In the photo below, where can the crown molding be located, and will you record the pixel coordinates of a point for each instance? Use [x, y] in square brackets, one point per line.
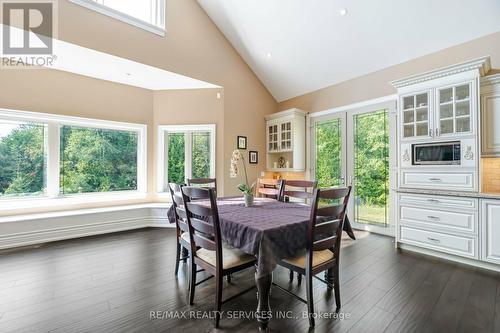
[490, 80]
[289, 112]
[482, 64]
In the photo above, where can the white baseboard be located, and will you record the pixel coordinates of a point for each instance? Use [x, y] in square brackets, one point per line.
[35, 229]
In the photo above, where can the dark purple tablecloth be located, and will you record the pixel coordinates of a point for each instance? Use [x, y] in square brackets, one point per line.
[271, 230]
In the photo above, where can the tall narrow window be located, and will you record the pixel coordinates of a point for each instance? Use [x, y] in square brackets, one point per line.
[22, 159]
[97, 160]
[176, 157]
[185, 152]
[200, 161]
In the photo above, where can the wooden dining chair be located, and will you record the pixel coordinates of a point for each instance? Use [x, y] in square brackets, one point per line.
[299, 189]
[203, 182]
[182, 231]
[206, 246]
[322, 253]
[269, 188]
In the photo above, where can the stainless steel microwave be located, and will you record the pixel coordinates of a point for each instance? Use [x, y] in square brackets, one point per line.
[441, 153]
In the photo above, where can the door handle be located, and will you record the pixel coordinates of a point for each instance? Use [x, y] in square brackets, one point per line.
[342, 180]
[435, 179]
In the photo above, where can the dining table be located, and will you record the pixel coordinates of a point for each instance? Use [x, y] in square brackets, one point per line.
[271, 230]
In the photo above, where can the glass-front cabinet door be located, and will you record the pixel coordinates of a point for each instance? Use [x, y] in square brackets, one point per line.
[286, 136]
[272, 137]
[454, 110]
[416, 119]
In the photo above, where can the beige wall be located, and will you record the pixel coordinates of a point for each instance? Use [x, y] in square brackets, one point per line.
[193, 46]
[191, 107]
[377, 84]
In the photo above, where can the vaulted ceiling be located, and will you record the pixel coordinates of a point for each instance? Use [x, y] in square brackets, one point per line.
[298, 46]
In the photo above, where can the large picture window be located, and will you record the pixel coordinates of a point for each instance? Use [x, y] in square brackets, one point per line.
[97, 160]
[56, 156]
[146, 14]
[185, 152]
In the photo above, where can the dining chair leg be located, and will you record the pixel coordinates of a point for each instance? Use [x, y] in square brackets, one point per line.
[299, 278]
[177, 257]
[291, 275]
[218, 297]
[228, 278]
[336, 286]
[192, 281]
[310, 301]
[185, 254]
[330, 278]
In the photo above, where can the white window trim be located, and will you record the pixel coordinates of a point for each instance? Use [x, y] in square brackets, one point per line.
[53, 197]
[161, 180]
[105, 10]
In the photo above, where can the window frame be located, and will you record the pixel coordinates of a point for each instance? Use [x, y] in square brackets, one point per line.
[126, 18]
[53, 142]
[162, 151]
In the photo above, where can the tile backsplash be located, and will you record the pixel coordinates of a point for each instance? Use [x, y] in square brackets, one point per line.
[490, 168]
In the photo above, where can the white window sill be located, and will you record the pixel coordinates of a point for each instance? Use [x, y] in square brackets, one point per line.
[89, 4]
[75, 212]
[45, 202]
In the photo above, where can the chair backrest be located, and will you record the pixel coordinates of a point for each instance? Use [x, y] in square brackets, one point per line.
[203, 182]
[269, 188]
[178, 203]
[203, 220]
[326, 222]
[301, 189]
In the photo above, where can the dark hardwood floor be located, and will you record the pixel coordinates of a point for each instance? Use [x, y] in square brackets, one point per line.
[111, 283]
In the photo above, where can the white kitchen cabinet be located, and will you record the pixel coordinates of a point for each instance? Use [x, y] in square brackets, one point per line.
[286, 141]
[442, 112]
[415, 115]
[490, 115]
[455, 106]
[490, 225]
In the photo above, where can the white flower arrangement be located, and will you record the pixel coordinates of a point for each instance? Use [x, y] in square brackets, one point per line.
[236, 157]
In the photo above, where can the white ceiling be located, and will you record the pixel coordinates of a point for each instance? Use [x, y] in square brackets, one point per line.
[84, 61]
[298, 46]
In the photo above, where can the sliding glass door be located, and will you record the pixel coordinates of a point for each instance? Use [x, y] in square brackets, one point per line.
[352, 148]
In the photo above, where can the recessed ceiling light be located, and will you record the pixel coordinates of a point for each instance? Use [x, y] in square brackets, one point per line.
[128, 74]
[343, 11]
[268, 55]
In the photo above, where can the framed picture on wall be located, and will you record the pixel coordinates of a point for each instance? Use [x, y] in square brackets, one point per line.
[253, 157]
[242, 142]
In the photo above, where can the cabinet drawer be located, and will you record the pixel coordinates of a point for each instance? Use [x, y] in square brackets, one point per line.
[438, 180]
[438, 201]
[459, 245]
[442, 219]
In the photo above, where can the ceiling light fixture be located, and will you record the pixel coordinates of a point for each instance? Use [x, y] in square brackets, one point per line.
[268, 56]
[343, 11]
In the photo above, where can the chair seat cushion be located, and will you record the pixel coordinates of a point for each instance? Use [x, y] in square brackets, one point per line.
[185, 237]
[319, 257]
[230, 257]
